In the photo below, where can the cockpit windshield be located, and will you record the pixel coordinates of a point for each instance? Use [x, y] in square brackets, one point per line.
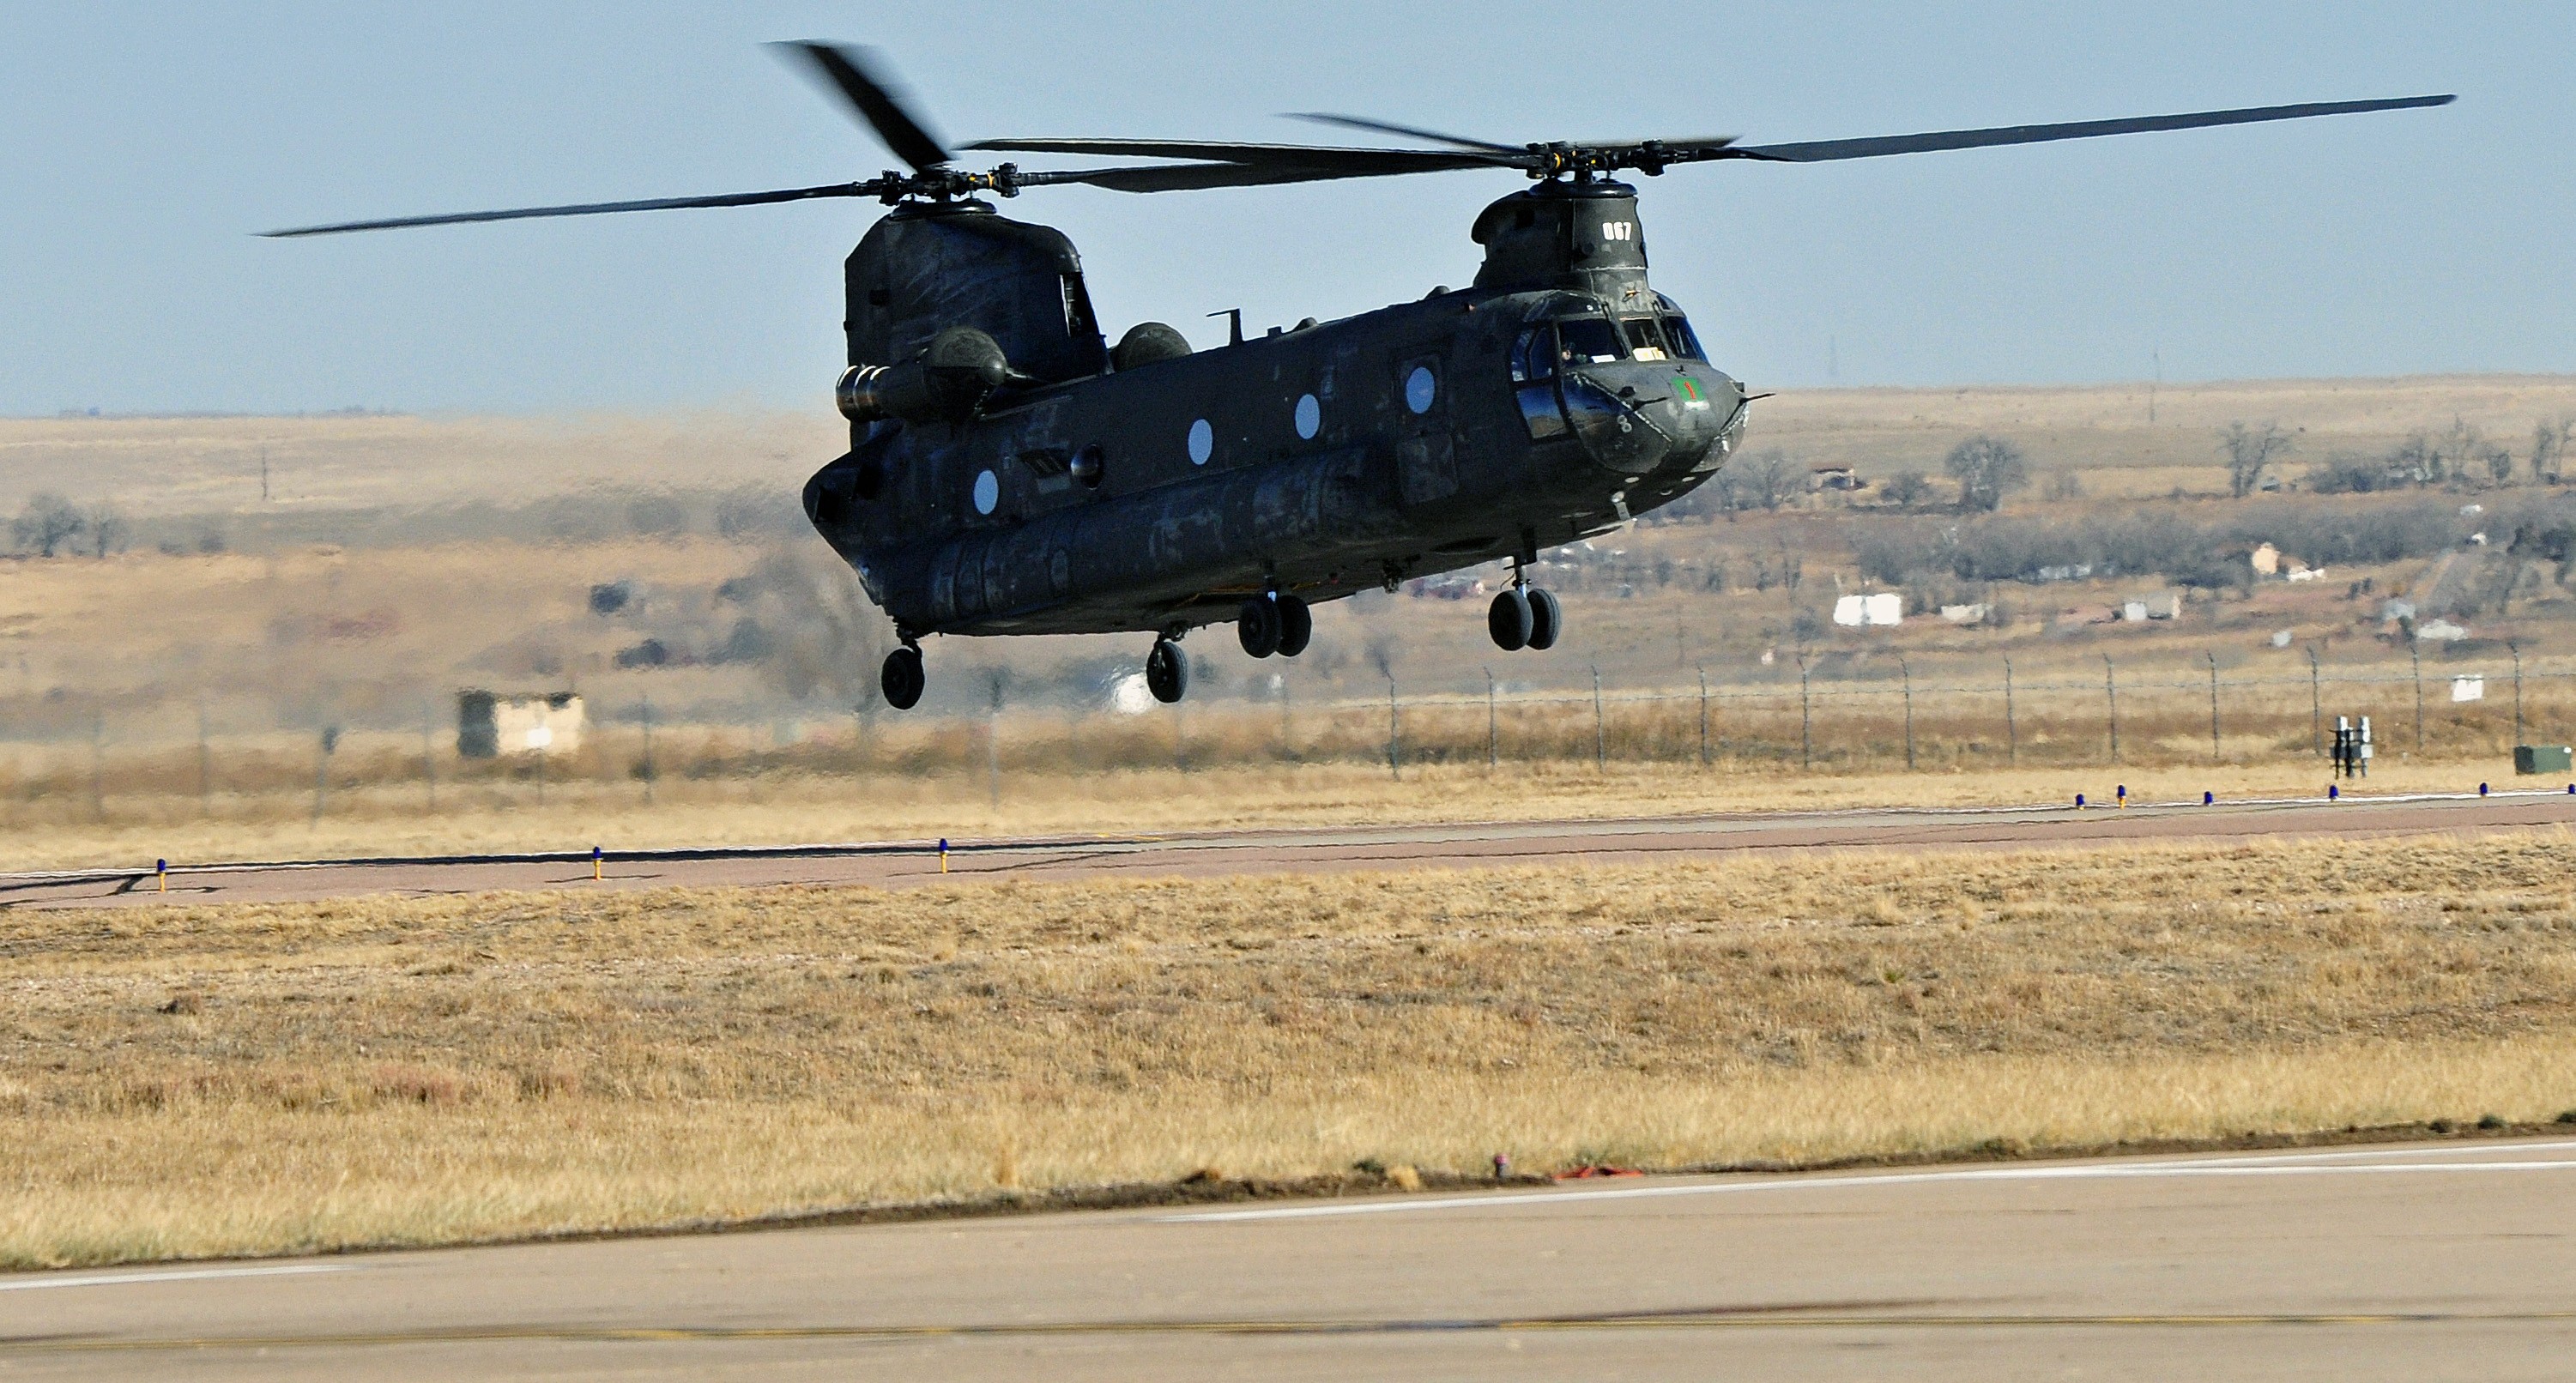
[1645, 339]
[1685, 342]
[1587, 341]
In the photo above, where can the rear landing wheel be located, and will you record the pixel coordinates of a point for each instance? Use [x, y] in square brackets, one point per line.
[1258, 626]
[903, 678]
[1296, 625]
[1167, 673]
[1509, 620]
[1547, 618]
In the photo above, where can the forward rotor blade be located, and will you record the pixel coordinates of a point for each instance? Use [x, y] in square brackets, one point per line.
[1185, 177]
[874, 100]
[1361, 122]
[1359, 162]
[1821, 151]
[791, 194]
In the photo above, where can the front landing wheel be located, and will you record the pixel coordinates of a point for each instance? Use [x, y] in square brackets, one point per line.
[903, 679]
[1167, 673]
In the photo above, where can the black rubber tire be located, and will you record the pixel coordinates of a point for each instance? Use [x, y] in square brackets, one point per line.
[1167, 672]
[1257, 626]
[1296, 625]
[1508, 619]
[1547, 618]
[902, 679]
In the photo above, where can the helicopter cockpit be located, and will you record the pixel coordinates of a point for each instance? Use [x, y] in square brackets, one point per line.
[1575, 373]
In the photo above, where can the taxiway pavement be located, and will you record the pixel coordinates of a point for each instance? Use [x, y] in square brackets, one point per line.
[2449, 1259]
[1205, 854]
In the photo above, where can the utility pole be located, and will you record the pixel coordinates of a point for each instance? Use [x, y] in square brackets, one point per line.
[649, 770]
[1394, 744]
[205, 765]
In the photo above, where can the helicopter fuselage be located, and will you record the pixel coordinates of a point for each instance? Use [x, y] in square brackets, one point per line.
[1554, 401]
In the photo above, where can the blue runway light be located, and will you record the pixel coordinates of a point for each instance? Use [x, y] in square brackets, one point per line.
[2208, 799]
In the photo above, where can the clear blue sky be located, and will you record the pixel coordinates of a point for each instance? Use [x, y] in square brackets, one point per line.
[146, 142]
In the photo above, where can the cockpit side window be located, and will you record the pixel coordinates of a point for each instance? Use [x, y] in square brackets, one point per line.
[1534, 355]
[1677, 329]
[1587, 341]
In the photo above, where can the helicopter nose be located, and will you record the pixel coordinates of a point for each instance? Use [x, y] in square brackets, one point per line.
[1698, 412]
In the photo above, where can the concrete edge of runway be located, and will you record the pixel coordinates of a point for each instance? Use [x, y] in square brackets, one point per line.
[1359, 1192]
[1183, 839]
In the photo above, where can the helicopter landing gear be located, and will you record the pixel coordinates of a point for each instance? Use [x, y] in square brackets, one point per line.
[1524, 616]
[1274, 623]
[903, 679]
[1547, 618]
[1509, 620]
[1167, 673]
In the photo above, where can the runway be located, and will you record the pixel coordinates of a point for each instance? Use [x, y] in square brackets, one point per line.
[891, 864]
[2422, 1261]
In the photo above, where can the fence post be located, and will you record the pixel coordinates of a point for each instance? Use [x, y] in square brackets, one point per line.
[2514, 646]
[1703, 715]
[1394, 745]
[993, 742]
[1600, 734]
[2214, 755]
[1492, 729]
[1908, 674]
[2111, 698]
[205, 764]
[2415, 655]
[2316, 707]
[1806, 720]
[2012, 731]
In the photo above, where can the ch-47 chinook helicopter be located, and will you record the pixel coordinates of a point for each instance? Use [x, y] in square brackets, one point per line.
[1010, 472]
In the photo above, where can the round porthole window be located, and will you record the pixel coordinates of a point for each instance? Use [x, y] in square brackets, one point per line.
[1310, 416]
[1202, 442]
[1420, 388]
[988, 492]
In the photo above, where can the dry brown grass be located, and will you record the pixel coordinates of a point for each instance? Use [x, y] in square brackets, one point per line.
[263, 1079]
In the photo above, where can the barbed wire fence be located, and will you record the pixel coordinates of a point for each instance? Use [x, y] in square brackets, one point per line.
[101, 761]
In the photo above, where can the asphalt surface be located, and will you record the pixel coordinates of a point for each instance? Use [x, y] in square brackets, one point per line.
[2424, 1261]
[902, 863]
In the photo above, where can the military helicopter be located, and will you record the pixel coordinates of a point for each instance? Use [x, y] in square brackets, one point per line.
[1010, 472]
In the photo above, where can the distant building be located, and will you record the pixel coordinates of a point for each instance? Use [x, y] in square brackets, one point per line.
[489, 725]
[2441, 631]
[1965, 614]
[1834, 478]
[1857, 611]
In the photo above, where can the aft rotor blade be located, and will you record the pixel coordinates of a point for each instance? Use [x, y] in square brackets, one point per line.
[1361, 122]
[1821, 151]
[790, 194]
[1359, 162]
[875, 101]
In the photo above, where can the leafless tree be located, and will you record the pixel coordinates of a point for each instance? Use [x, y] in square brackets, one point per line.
[109, 532]
[1905, 489]
[2249, 451]
[2549, 448]
[1987, 468]
[49, 524]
